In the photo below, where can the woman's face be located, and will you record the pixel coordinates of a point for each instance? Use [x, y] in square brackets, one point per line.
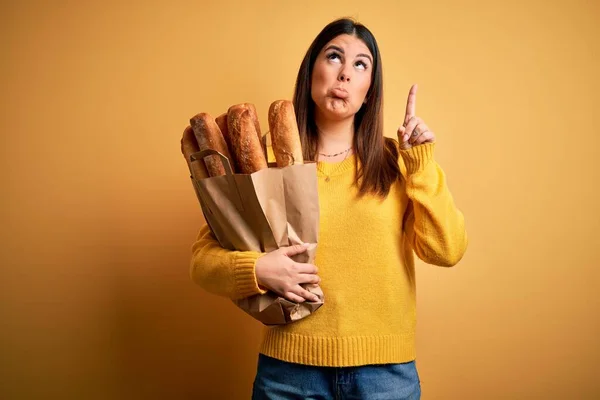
[341, 77]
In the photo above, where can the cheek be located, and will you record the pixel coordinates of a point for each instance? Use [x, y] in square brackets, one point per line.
[318, 83]
[318, 76]
[364, 85]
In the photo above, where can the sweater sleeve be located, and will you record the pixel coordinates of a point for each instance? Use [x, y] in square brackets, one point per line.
[223, 272]
[435, 227]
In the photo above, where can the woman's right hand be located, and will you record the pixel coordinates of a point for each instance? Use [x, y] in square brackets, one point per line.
[278, 272]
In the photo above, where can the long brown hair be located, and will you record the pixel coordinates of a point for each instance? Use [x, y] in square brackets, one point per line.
[378, 155]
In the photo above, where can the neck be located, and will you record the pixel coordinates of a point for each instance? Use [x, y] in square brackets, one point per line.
[334, 136]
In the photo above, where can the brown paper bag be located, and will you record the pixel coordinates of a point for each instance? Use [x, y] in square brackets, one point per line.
[263, 211]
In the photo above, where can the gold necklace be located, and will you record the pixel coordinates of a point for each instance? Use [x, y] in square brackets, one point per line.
[328, 176]
[336, 154]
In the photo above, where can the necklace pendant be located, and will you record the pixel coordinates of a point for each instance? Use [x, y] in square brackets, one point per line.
[327, 179]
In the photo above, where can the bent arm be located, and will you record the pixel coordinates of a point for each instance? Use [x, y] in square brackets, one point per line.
[434, 225]
[223, 272]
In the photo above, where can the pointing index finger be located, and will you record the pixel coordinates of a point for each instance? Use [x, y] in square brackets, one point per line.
[411, 104]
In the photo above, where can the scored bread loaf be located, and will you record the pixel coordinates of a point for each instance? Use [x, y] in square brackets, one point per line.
[189, 146]
[209, 136]
[245, 142]
[221, 121]
[254, 117]
[285, 138]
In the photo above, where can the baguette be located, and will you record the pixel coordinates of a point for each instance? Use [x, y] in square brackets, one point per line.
[221, 121]
[189, 146]
[254, 117]
[209, 136]
[285, 137]
[246, 145]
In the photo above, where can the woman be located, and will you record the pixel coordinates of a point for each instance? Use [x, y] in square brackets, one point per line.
[380, 201]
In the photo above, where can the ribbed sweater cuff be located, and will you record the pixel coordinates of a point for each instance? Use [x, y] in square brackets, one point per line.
[246, 283]
[416, 158]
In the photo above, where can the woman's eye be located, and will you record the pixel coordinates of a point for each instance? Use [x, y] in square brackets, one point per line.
[333, 56]
[361, 65]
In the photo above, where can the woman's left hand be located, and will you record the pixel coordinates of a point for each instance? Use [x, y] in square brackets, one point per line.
[414, 131]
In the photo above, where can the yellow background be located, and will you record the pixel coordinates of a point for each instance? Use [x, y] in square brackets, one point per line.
[98, 214]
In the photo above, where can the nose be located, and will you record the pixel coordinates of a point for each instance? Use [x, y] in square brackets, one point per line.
[344, 75]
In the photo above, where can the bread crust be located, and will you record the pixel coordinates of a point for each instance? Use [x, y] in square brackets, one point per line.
[285, 137]
[209, 136]
[245, 142]
[189, 146]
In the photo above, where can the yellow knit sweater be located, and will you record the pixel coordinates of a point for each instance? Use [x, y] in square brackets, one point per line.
[365, 261]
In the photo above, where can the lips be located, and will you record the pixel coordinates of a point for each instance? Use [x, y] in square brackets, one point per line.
[339, 93]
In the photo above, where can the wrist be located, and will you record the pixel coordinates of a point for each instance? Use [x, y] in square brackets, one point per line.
[258, 269]
[417, 157]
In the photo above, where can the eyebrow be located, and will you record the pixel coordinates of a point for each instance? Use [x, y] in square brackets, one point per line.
[342, 51]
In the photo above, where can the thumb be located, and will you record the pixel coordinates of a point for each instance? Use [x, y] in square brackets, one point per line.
[296, 249]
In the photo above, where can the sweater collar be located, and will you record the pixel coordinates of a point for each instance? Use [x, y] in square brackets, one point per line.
[336, 168]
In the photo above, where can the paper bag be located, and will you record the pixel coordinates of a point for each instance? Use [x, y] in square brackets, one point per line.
[263, 211]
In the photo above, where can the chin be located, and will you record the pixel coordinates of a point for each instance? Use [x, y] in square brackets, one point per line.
[337, 109]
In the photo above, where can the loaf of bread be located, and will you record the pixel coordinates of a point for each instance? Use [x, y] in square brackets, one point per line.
[285, 138]
[245, 142]
[221, 121]
[254, 117]
[189, 146]
[209, 136]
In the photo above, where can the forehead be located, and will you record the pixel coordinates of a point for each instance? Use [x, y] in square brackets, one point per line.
[350, 44]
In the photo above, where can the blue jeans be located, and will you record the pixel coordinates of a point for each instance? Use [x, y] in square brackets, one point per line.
[280, 380]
